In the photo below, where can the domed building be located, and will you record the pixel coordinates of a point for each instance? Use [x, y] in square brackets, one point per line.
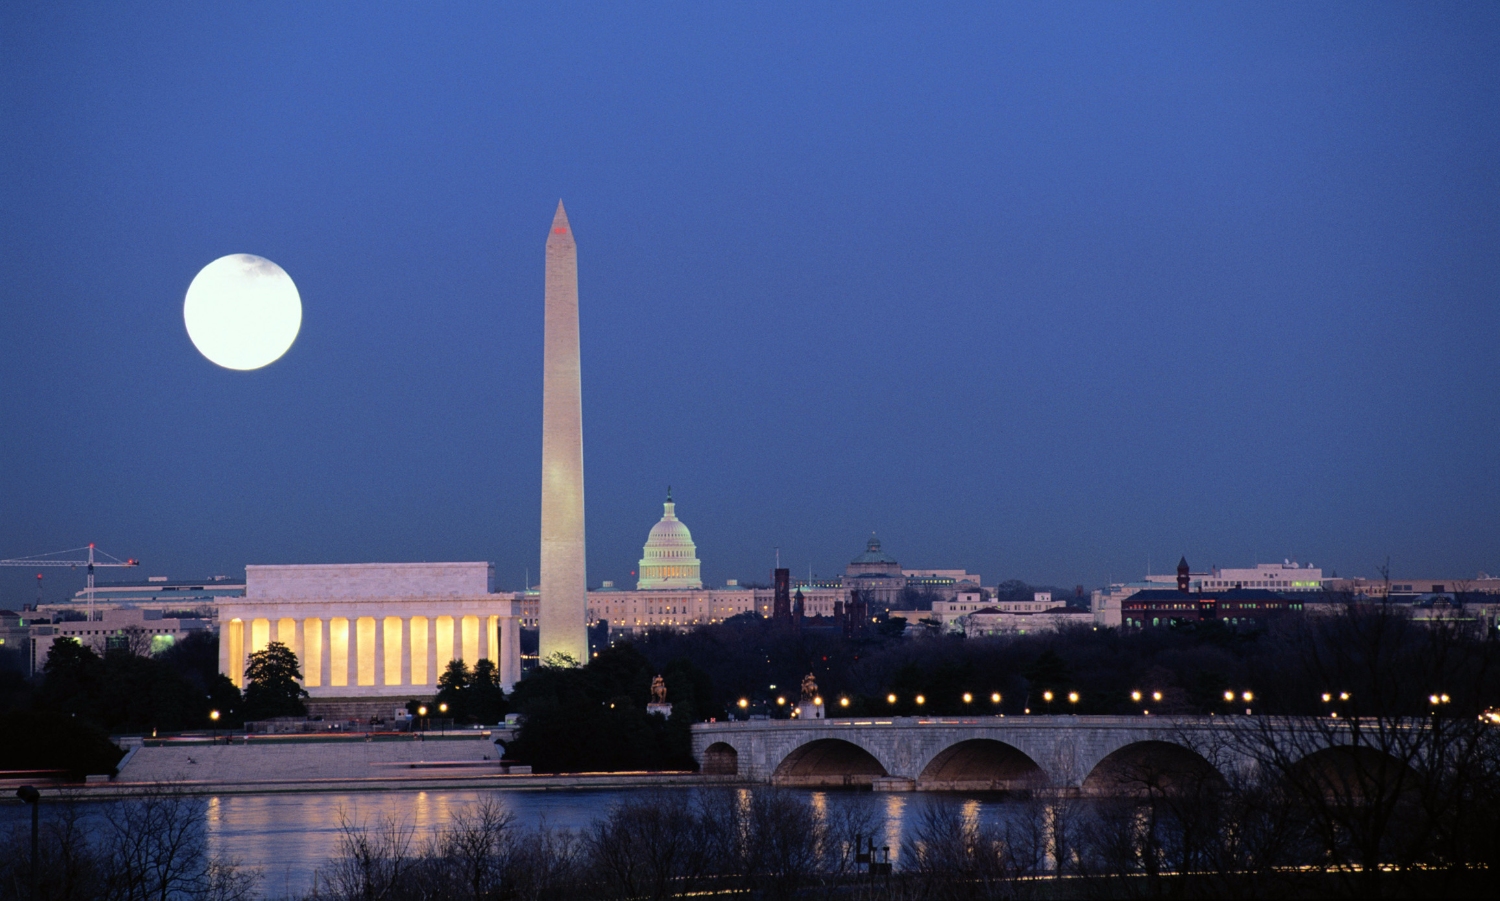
[669, 559]
[874, 562]
[876, 576]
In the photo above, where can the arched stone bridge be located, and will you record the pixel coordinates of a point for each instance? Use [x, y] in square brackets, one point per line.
[1093, 754]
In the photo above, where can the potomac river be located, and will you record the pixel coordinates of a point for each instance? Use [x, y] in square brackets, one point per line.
[288, 836]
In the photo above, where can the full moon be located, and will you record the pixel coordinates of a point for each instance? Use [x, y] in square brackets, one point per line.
[242, 311]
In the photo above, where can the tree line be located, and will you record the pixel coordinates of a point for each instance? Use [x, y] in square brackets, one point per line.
[1273, 833]
[1367, 660]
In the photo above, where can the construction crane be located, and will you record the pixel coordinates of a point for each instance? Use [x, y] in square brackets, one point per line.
[55, 559]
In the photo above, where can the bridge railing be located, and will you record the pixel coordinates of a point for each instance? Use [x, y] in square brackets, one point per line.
[1164, 722]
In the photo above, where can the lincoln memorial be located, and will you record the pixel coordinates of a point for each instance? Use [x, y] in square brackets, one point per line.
[372, 630]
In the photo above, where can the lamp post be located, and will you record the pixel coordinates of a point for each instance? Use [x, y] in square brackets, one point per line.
[443, 721]
[1328, 698]
[213, 716]
[422, 717]
[34, 798]
[1047, 697]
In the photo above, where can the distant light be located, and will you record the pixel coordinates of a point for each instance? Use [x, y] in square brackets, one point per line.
[781, 701]
[1072, 697]
[744, 702]
[1156, 696]
[843, 702]
[968, 698]
[1248, 696]
[818, 701]
[921, 699]
[213, 715]
[890, 699]
[1135, 696]
[995, 698]
[1047, 696]
[1229, 696]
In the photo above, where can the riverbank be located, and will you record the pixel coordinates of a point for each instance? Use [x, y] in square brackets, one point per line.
[348, 763]
[487, 781]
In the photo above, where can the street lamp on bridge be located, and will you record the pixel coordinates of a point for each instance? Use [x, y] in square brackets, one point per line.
[1342, 699]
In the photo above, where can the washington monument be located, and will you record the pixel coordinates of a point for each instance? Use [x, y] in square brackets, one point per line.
[562, 620]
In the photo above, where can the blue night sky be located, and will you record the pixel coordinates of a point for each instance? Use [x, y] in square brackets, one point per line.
[1040, 290]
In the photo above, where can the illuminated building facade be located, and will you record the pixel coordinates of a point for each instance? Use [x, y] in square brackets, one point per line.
[372, 630]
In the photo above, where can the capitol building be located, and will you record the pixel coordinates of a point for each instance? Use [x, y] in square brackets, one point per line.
[669, 590]
[669, 559]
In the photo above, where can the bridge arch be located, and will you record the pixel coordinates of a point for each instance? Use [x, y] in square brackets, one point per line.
[981, 764]
[828, 762]
[1151, 767]
[721, 759]
[1344, 774]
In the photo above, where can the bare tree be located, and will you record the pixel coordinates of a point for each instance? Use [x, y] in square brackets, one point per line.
[1397, 781]
[155, 849]
[373, 862]
[649, 846]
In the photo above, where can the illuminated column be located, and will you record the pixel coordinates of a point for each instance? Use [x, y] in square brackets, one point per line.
[286, 632]
[338, 651]
[510, 652]
[225, 628]
[366, 632]
[351, 654]
[377, 676]
[444, 644]
[237, 652]
[325, 665]
[393, 655]
[432, 662]
[488, 640]
[471, 640]
[260, 635]
[311, 641]
[406, 650]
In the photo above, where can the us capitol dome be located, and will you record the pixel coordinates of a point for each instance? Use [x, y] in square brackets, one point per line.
[669, 559]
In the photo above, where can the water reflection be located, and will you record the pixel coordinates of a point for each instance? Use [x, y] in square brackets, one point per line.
[895, 823]
[289, 836]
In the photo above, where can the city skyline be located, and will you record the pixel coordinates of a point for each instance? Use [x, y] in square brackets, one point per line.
[1039, 293]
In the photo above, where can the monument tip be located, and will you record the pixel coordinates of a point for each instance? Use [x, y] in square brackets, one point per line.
[560, 220]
